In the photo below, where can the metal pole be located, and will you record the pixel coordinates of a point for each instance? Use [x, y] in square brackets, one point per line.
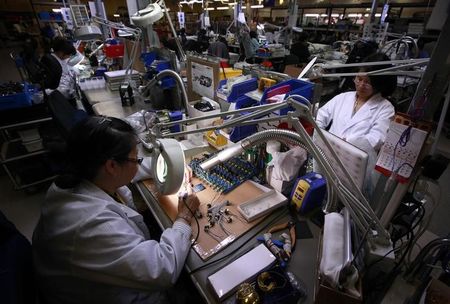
[441, 121]
[436, 74]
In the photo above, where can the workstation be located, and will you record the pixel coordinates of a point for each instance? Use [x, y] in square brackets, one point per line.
[233, 151]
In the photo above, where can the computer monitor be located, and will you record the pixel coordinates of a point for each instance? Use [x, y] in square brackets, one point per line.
[354, 159]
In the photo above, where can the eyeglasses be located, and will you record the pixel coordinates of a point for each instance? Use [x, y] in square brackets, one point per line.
[138, 160]
[364, 82]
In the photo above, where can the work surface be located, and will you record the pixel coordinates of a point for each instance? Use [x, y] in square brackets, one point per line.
[303, 261]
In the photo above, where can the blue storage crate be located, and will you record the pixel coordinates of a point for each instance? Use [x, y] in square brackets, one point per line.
[298, 87]
[240, 89]
[240, 132]
[148, 58]
[18, 100]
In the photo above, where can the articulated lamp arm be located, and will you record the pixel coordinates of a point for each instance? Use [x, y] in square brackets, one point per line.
[352, 198]
[136, 32]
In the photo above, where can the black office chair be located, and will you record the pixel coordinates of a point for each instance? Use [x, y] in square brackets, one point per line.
[64, 114]
[16, 266]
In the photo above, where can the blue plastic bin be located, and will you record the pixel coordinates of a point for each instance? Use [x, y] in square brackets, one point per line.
[18, 100]
[298, 87]
[240, 89]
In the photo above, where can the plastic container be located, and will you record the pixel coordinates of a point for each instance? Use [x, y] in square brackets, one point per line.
[18, 100]
[193, 112]
[296, 87]
[239, 89]
[114, 50]
[229, 73]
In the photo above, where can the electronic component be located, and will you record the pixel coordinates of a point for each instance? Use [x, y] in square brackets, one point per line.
[198, 188]
[308, 192]
[225, 176]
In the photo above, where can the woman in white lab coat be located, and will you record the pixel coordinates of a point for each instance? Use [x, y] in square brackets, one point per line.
[90, 245]
[362, 117]
[364, 113]
[62, 51]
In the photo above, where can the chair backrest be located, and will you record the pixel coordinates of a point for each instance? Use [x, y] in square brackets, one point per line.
[64, 114]
[50, 71]
[16, 265]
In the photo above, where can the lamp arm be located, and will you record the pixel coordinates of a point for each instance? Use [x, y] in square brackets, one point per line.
[406, 73]
[365, 213]
[177, 78]
[136, 32]
[374, 63]
[174, 32]
[116, 25]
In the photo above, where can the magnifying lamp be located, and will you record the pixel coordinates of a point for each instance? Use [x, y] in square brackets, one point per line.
[87, 32]
[149, 15]
[75, 59]
[167, 164]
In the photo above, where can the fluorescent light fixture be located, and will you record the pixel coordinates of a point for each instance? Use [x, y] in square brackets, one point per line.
[257, 6]
[367, 15]
[231, 4]
[222, 8]
[334, 15]
[56, 10]
[355, 15]
[116, 15]
[210, 8]
[367, 9]
[311, 15]
[323, 15]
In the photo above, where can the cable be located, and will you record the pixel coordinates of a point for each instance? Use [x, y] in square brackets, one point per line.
[196, 221]
[238, 248]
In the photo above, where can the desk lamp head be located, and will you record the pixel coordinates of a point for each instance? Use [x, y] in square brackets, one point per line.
[147, 16]
[167, 164]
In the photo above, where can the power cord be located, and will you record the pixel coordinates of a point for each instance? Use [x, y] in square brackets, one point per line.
[196, 220]
[238, 248]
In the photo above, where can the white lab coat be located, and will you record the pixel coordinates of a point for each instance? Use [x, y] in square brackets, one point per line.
[67, 80]
[90, 249]
[370, 122]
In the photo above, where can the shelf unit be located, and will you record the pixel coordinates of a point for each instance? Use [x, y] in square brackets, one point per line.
[25, 168]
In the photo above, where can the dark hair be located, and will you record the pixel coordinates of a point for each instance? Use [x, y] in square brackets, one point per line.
[91, 143]
[253, 34]
[383, 84]
[60, 44]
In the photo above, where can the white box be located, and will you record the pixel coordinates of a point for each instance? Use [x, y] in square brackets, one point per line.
[193, 112]
[225, 281]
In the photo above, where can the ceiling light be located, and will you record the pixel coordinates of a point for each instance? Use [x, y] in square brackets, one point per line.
[323, 15]
[210, 8]
[222, 8]
[257, 6]
[56, 10]
[311, 15]
[334, 15]
[116, 15]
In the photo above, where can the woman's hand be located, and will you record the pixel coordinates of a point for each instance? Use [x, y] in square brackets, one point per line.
[187, 205]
